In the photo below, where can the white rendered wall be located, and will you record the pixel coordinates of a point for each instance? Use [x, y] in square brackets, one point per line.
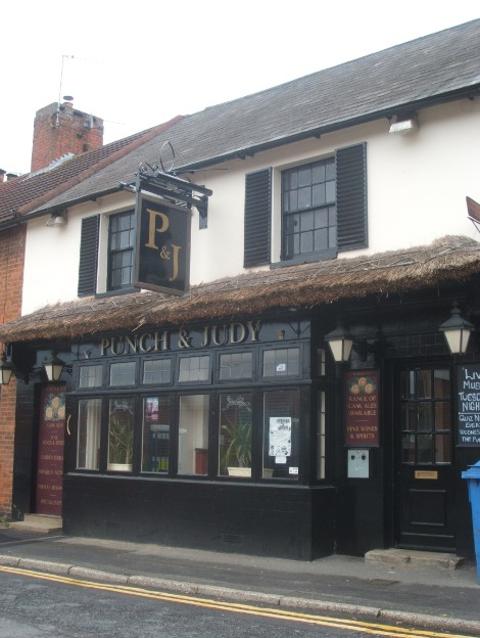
[416, 192]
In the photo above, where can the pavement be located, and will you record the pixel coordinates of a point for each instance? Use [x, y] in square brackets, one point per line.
[398, 588]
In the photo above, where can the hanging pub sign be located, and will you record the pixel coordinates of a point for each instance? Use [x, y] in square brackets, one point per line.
[162, 260]
[361, 408]
[468, 406]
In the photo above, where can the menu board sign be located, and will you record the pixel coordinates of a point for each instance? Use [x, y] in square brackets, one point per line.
[361, 408]
[468, 406]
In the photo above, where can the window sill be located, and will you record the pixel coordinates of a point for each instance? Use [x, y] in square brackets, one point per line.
[306, 259]
[118, 291]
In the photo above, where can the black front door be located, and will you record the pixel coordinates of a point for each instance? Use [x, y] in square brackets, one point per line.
[424, 458]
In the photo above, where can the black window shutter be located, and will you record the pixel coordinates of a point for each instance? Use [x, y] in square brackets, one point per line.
[87, 274]
[352, 217]
[258, 211]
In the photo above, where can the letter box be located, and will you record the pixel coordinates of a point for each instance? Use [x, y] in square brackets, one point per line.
[472, 475]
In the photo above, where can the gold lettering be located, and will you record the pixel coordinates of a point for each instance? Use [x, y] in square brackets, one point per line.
[132, 343]
[104, 344]
[176, 252]
[184, 339]
[237, 333]
[142, 342]
[152, 226]
[254, 329]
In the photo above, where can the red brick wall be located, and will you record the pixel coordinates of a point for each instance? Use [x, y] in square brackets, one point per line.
[12, 250]
[72, 132]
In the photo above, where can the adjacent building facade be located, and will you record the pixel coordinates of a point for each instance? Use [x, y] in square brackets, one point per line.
[299, 398]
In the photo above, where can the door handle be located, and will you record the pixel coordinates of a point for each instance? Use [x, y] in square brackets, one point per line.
[67, 426]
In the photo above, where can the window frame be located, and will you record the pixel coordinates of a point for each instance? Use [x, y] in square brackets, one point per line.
[315, 255]
[112, 252]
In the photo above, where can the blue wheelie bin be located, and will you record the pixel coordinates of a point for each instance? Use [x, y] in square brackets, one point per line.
[472, 475]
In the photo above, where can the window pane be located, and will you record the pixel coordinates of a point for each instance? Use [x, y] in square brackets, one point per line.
[120, 435]
[236, 366]
[321, 239]
[306, 242]
[235, 435]
[443, 448]
[156, 371]
[90, 377]
[318, 195]
[318, 173]
[425, 422]
[157, 418]
[122, 374]
[193, 435]
[88, 439]
[424, 448]
[424, 384]
[194, 369]
[441, 384]
[330, 191]
[408, 448]
[442, 416]
[305, 197]
[281, 434]
[306, 221]
[281, 363]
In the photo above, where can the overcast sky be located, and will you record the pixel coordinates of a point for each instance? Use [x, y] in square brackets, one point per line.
[136, 64]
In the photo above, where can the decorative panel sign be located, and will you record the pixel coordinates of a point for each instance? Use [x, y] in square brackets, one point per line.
[162, 260]
[50, 451]
[361, 408]
[468, 406]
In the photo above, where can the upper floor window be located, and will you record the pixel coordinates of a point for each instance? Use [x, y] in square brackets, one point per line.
[121, 237]
[308, 210]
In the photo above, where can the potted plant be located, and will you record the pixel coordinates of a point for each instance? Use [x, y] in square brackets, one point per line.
[120, 441]
[237, 456]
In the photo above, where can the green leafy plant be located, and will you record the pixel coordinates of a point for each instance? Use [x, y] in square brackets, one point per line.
[120, 446]
[238, 440]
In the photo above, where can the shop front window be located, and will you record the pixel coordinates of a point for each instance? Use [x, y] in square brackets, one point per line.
[120, 435]
[88, 434]
[235, 435]
[193, 434]
[281, 432]
[157, 419]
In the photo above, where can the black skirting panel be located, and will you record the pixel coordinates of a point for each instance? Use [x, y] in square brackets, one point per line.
[291, 522]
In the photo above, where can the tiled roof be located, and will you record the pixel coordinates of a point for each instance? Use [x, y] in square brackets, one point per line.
[427, 70]
[28, 191]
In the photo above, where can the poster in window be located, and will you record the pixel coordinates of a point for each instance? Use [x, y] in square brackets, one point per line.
[280, 437]
[468, 406]
[361, 408]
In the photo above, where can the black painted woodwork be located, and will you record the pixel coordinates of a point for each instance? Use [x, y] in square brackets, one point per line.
[257, 221]
[87, 273]
[352, 217]
[292, 522]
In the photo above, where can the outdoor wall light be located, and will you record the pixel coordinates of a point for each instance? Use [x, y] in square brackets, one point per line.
[457, 331]
[6, 370]
[53, 367]
[402, 126]
[340, 344]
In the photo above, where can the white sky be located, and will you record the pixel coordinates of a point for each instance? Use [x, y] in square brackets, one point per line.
[137, 64]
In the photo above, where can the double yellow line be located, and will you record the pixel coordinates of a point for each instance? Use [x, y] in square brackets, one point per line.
[375, 629]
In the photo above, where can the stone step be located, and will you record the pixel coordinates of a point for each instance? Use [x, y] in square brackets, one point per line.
[413, 558]
[39, 523]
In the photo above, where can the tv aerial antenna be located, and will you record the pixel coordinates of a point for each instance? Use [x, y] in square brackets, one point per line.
[60, 87]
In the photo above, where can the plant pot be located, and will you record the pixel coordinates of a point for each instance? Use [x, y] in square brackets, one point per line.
[119, 467]
[244, 472]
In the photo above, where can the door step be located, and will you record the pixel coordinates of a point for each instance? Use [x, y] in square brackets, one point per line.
[39, 523]
[412, 558]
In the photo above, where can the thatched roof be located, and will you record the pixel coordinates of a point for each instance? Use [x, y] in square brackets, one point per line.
[446, 260]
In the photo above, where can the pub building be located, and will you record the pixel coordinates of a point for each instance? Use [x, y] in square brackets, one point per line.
[293, 412]
[255, 328]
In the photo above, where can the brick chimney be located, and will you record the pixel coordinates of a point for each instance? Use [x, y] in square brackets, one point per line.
[58, 130]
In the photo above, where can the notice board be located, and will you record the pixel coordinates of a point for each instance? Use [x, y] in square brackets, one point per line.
[362, 408]
[468, 405]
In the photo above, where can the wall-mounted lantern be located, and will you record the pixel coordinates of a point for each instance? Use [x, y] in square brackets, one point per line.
[457, 331]
[340, 344]
[6, 370]
[53, 367]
